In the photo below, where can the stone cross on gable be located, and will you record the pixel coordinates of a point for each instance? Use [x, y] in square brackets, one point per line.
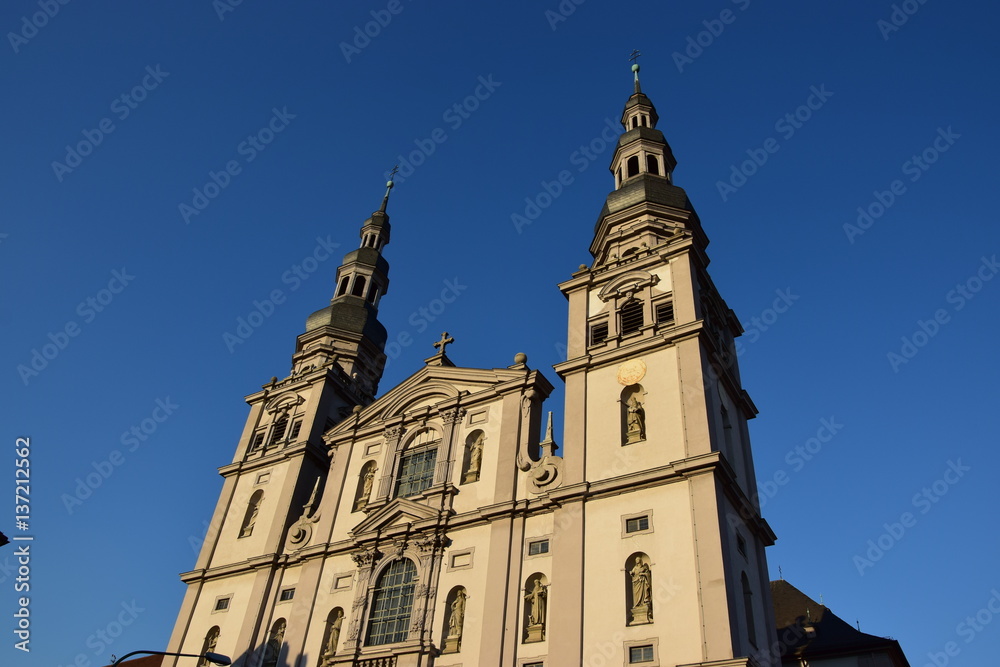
[444, 342]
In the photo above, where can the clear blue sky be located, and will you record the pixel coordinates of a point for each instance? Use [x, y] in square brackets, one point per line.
[210, 78]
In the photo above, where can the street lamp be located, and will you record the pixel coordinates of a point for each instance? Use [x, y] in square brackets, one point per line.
[215, 658]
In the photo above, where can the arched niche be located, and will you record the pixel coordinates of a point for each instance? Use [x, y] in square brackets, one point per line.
[536, 604]
[472, 459]
[633, 414]
[638, 589]
[366, 483]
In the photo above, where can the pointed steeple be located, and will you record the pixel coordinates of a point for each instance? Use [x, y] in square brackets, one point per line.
[348, 331]
[645, 207]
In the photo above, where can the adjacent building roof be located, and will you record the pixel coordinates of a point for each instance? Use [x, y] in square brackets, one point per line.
[808, 629]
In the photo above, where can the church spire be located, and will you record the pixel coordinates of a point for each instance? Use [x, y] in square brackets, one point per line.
[348, 330]
[635, 68]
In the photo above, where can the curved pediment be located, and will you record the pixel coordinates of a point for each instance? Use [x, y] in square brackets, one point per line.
[424, 395]
[626, 284]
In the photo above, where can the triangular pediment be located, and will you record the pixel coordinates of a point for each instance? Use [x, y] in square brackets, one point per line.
[428, 387]
[398, 512]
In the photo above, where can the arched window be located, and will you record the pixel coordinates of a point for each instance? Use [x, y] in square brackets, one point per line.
[619, 182]
[331, 637]
[253, 509]
[633, 414]
[344, 282]
[631, 316]
[359, 286]
[748, 609]
[275, 642]
[211, 641]
[278, 431]
[652, 165]
[392, 602]
[366, 481]
[372, 293]
[536, 603]
[416, 465]
[632, 166]
[638, 590]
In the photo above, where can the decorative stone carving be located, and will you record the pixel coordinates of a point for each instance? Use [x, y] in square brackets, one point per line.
[274, 642]
[453, 416]
[631, 372]
[475, 459]
[334, 637]
[432, 543]
[367, 482]
[636, 426]
[456, 622]
[393, 433]
[366, 557]
[537, 599]
[642, 599]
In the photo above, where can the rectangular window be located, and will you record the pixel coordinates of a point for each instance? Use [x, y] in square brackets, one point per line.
[665, 312]
[286, 595]
[637, 654]
[632, 317]
[533, 664]
[598, 333]
[538, 547]
[222, 604]
[637, 524]
[416, 472]
[296, 427]
[741, 545]
[258, 440]
[279, 430]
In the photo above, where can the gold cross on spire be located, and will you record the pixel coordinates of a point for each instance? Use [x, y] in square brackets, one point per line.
[444, 342]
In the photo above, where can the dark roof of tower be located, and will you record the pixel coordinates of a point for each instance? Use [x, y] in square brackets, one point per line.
[806, 628]
[351, 314]
[644, 188]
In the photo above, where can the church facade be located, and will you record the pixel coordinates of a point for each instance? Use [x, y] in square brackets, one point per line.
[439, 523]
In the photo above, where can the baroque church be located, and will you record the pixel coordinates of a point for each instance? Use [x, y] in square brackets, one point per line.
[440, 524]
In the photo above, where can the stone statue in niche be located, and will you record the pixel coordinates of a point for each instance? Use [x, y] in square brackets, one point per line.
[274, 642]
[456, 621]
[536, 599]
[251, 519]
[366, 488]
[642, 598]
[211, 641]
[636, 420]
[457, 618]
[475, 459]
[334, 638]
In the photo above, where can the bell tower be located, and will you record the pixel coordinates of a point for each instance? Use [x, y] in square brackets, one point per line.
[281, 461]
[656, 430]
